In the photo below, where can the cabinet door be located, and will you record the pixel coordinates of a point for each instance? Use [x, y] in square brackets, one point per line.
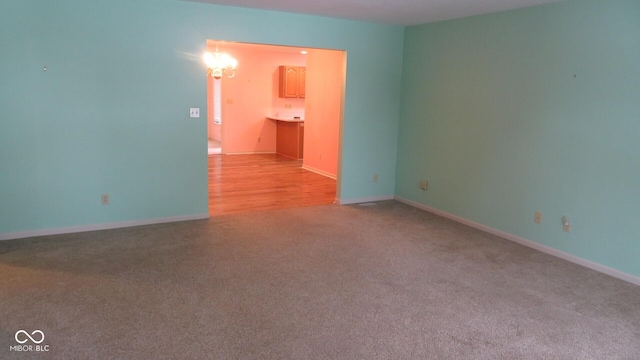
[288, 81]
[302, 74]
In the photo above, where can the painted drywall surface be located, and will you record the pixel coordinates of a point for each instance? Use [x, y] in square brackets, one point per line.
[110, 114]
[251, 96]
[209, 113]
[325, 79]
[530, 110]
[214, 131]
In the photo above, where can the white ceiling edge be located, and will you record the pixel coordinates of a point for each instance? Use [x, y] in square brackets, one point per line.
[392, 12]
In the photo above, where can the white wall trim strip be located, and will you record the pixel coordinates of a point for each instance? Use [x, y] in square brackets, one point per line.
[318, 171]
[249, 153]
[528, 243]
[83, 228]
[364, 200]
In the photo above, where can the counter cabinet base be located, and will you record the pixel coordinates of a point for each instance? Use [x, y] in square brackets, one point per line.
[289, 139]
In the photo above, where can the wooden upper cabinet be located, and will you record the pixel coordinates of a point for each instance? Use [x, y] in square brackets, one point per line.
[301, 81]
[292, 81]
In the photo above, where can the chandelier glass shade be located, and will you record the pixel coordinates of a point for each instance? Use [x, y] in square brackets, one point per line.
[220, 64]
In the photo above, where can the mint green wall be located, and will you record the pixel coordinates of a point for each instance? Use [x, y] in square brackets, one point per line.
[110, 114]
[530, 110]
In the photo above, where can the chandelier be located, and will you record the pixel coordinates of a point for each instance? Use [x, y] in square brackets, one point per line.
[220, 64]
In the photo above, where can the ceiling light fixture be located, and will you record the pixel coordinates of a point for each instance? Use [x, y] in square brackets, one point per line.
[220, 64]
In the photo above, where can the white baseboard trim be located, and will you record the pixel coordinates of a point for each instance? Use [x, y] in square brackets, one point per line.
[364, 200]
[83, 228]
[528, 243]
[320, 172]
[250, 153]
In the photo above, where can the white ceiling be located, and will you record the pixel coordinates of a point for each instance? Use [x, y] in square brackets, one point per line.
[395, 12]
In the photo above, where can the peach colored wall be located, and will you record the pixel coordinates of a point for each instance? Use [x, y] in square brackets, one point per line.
[209, 107]
[252, 95]
[325, 83]
[214, 131]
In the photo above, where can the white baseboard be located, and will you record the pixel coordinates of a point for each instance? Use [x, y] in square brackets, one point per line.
[250, 153]
[83, 228]
[320, 172]
[528, 243]
[364, 200]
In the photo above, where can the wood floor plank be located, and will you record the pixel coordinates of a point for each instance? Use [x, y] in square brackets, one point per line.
[254, 182]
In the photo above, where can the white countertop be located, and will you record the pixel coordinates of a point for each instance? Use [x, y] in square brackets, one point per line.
[284, 119]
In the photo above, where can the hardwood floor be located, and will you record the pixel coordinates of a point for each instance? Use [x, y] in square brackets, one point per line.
[242, 183]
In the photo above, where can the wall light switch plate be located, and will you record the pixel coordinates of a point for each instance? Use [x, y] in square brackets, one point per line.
[194, 112]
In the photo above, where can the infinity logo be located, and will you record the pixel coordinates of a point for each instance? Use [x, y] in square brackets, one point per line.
[29, 336]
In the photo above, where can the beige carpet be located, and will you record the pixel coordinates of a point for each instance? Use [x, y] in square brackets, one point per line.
[332, 282]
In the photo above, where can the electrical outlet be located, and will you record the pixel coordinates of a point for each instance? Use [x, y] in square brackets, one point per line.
[566, 224]
[194, 112]
[375, 178]
[105, 199]
[424, 185]
[538, 217]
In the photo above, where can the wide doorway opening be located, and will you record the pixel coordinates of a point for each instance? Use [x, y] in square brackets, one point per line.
[274, 128]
